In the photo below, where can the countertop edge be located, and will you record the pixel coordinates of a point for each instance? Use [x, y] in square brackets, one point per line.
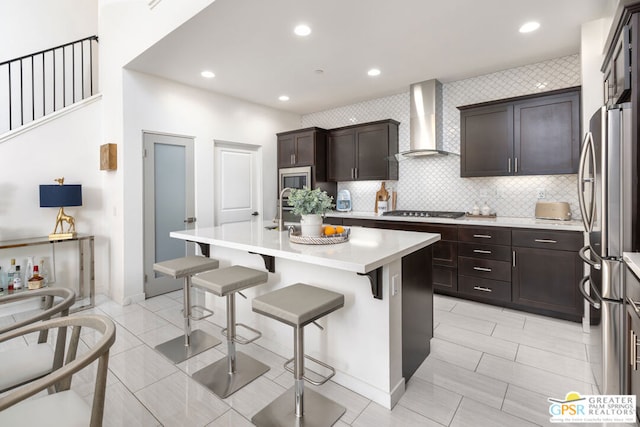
[430, 238]
[512, 222]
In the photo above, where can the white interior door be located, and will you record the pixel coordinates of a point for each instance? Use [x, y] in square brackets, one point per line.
[237, 188]
[168, 205]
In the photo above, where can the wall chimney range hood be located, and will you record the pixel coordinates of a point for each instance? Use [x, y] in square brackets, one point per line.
[425, 121]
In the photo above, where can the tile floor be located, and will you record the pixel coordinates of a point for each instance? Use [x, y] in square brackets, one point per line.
[488, 367]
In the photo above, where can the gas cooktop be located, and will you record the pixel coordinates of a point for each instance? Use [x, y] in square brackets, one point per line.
[425, 214]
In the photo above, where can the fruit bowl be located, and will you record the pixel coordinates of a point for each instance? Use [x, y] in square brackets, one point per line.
[332, 238]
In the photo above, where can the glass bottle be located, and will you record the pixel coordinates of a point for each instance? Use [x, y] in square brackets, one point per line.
[17, 279]
[35, 281]
[11, 274]
[43, 271]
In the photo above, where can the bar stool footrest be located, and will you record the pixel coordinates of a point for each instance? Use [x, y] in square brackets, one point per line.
[324, 378]
[206, 312]
[242, 340]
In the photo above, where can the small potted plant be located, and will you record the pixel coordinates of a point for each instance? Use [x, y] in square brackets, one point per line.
[310, 205]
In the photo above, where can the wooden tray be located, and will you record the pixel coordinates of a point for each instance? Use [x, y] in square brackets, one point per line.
[490, 216]
[296, 237]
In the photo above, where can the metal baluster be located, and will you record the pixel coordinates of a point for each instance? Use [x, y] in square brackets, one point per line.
[64, 78]
[82, 60]
[10, 118]
[21, 96]
[44, 99]
[73, 73]
[33, 100]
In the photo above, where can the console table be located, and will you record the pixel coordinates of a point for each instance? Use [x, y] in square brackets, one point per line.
[81, 240]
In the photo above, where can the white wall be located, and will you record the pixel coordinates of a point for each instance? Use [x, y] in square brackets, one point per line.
[28, 26]
[158, 105]
[68, 147]
[127, 28]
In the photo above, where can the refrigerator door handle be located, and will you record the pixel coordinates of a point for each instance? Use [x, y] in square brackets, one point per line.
[587, 280]
[587, 214]
[586, 259]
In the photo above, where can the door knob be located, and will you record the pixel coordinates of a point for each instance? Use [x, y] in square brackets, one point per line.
[190, 220]
[255, 214]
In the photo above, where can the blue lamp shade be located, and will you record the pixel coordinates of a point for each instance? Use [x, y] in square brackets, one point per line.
[57, 196]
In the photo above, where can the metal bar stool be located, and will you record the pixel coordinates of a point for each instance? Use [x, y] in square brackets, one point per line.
[298, 305]
[230, 374]
[181, 348]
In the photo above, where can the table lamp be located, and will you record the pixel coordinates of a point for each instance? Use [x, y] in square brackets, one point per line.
[59, 196]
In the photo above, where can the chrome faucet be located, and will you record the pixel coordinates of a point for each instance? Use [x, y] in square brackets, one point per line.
[280, 218]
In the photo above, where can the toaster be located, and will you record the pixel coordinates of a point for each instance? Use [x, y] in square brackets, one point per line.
[553, 210]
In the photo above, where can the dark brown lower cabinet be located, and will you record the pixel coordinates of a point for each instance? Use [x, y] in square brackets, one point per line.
[548, 280]
[534, 270]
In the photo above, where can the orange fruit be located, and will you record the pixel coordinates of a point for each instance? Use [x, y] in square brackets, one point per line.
[329, 230]
[339, 229]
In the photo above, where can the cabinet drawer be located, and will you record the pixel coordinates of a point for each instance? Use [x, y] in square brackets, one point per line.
[544, 239]
[477, 250]
[485, 288]
[445, 253]
[445, 278]
[485, 268]
[485, 235]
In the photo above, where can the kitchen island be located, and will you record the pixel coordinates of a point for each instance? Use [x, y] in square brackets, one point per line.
[381, 335]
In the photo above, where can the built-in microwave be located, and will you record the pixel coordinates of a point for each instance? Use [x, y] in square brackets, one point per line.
[294, 178]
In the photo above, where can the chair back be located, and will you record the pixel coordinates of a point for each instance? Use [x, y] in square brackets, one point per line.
[50, 309]
[60, 379]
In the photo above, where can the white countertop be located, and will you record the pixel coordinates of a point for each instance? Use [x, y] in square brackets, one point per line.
[632, 259]
[366, 249]
[490, 222]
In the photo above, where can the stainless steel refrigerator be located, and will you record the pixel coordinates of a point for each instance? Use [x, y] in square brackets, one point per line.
[605, 192]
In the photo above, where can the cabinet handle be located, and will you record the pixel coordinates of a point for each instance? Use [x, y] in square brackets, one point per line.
[488, 270]
[481, 251]
[355, 173]
[513, 257]
[516, 168]
[482, 288]
[509, 170]
[482, 236]
[294, 158]
[291, 159]
[545, 241]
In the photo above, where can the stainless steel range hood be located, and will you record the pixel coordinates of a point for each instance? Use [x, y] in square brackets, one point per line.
[426, 135]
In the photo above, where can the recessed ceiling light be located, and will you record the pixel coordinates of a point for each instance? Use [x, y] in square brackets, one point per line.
[283, 98]
[529, 27]
[207, 74]
[373, 72]
[302, 30]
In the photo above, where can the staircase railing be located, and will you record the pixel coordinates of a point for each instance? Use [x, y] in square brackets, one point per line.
[43, 82]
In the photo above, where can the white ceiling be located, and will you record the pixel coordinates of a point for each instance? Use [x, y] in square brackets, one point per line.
[250, 45]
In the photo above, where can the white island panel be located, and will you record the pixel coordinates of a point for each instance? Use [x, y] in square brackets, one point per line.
[363, 340]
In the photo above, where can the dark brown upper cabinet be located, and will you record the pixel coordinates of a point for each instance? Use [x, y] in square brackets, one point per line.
[304, 147]
[363, 152]
[529, 135]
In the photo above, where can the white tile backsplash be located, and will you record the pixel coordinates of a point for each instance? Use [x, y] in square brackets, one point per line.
[434, 183]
